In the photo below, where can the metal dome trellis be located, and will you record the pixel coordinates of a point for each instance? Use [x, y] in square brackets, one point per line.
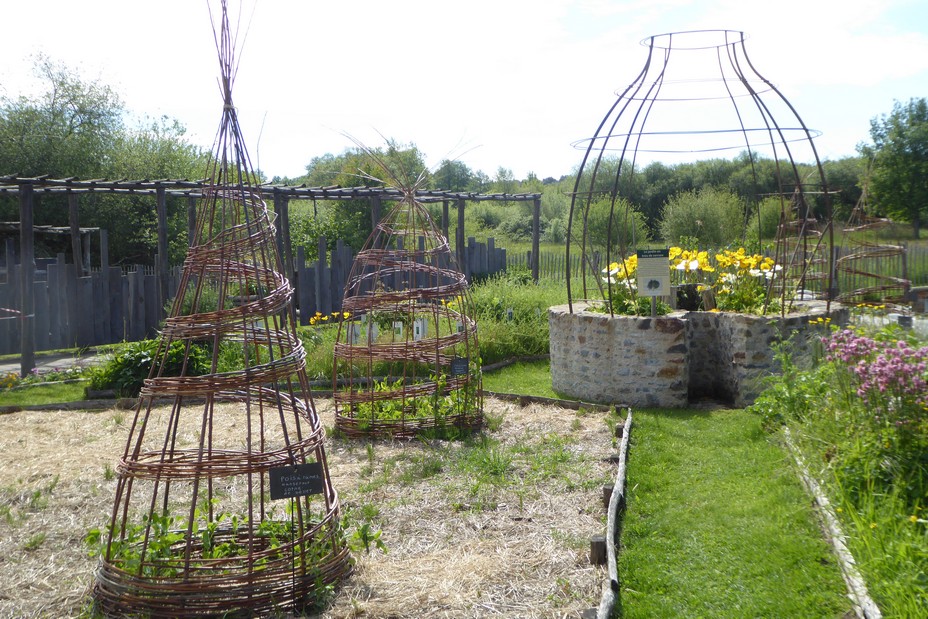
[406, 352]
[699, 94]
[196, 529]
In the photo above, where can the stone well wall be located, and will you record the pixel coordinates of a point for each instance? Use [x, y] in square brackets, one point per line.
[672, 360]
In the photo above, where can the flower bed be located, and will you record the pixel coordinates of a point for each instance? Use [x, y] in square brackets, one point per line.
[671, 360]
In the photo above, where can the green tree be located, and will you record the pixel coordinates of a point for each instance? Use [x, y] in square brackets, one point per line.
[351, 219]
[68, 130]
[625, 228]
[452, 176]
[899, 181]
[711, 215]
[76, 128]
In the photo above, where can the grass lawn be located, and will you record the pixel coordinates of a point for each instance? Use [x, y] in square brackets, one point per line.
[718, 524]
[523, 378]
[43, 394]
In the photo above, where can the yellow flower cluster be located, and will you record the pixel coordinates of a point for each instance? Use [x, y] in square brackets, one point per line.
[9, 380]
[743, 261]
[690, 260]
[617, 271]
[321, 318]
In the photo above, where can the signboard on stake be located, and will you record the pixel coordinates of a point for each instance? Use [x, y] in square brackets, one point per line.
[654, 272]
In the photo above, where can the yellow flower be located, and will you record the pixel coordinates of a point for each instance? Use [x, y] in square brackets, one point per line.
[839, 510]
[346, 315]
[872, 525]
[913, 518]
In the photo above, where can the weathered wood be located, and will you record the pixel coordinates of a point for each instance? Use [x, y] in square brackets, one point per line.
[376, 208]
[56, 325]
[41, 322]
[444, 219]
[598, 550]
[459, 235]
[162, 257]
[74, 223]
[116, 300]
[191, 220]
[27, 261]
[536, 236]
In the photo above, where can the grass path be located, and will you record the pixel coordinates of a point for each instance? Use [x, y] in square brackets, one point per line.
[718, 524]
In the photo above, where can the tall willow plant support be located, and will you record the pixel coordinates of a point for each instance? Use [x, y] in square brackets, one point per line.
[406, 356]
[224, 505]
[699, 95]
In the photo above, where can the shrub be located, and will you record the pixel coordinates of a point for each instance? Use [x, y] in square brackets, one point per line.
[131, 365]
[714, 217]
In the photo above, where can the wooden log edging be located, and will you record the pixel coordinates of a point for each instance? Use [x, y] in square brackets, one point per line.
[864, 606]
[611, 595]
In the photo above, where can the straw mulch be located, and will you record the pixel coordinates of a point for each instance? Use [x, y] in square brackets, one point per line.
[456, 547]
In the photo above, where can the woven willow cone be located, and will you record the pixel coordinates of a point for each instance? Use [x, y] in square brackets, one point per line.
[406, 355]
[194, 529]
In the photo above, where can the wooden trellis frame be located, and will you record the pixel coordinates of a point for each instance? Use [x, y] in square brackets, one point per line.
[200, 527]
[407, 342]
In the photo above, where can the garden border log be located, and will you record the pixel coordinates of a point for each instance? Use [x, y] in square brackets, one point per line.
[611, 594]
[864, 606]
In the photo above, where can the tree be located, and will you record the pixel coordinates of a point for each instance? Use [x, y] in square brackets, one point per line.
[710, 217]
[899, 181]
[452, 176]
[66, 131]
[76, 128]
[351, 219]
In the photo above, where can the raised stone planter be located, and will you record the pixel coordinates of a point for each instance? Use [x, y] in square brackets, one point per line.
[672, 360]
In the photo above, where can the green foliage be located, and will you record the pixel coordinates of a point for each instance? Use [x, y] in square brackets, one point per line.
[623, 220]
[900, 161]
[68, 130]
[131, 365]
[859, 416]
[714, 217]
[75, 128]
[526, 332]
[763, 223]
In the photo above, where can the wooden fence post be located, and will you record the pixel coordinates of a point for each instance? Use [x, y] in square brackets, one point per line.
[27, 273]
[74, 223]
[163, 258]
[536, 236]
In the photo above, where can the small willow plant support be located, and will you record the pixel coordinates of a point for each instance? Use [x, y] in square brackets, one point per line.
[194, 530]
[407, 345]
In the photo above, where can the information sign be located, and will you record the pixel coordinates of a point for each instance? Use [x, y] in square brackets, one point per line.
[297, 480]
[654, 272]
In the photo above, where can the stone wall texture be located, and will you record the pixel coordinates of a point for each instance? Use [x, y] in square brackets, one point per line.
[673, 360]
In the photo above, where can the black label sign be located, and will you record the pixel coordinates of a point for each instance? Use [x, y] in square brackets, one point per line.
[459, 366]
[653, 253]
[288, 482]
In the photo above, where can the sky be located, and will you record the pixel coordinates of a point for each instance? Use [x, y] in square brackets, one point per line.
[491, 83]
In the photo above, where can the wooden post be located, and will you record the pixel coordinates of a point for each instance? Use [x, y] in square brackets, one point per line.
[191, 220]
[27, 271]
[162, 266]
[282, 209]
[76, 254]
[459, 234]
[536, 236]
[444, 218]
[375, 211]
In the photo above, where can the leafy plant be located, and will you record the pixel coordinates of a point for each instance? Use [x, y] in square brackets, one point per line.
[132, 364]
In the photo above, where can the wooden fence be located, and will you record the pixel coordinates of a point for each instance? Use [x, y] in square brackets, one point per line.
[114, 304]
